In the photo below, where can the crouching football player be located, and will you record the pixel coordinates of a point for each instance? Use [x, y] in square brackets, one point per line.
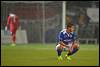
[67, 42]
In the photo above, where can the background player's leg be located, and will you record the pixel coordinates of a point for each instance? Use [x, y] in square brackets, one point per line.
[13, 38]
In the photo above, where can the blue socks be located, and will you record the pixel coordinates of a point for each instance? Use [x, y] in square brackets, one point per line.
[59, 52]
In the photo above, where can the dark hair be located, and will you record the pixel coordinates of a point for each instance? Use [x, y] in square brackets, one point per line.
[70, 25]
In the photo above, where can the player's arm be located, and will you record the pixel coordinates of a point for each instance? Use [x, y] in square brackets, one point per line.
[61, 38]
[63, 44]
[8, 22]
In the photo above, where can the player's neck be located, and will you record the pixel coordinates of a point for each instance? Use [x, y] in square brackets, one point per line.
[68, 31]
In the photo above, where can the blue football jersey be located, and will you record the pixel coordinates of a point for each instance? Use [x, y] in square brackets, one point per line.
[66, 37]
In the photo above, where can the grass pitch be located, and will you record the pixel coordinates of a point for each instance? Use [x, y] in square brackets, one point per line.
[45, 55]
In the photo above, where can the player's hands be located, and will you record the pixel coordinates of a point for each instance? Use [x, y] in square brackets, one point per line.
[6, 28]
[67, 46]
[70, 49]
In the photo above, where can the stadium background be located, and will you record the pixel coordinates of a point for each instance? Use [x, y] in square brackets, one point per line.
[40, 22]
[43, 20]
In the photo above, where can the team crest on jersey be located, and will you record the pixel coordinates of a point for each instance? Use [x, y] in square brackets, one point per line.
[69, 35]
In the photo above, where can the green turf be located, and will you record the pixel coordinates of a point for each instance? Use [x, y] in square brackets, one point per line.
[45, 55]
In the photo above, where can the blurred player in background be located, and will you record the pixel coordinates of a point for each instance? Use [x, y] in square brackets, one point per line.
[13, 24]
[66, 41]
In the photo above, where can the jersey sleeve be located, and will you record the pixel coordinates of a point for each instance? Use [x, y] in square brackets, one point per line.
[61, 36]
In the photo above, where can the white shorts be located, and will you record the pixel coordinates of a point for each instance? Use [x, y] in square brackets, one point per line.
[58, 46]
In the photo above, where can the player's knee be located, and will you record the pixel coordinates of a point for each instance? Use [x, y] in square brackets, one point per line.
[58, 47]
[76, 45]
